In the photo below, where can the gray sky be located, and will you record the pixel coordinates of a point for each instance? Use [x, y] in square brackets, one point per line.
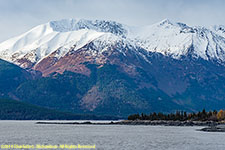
[18, 16]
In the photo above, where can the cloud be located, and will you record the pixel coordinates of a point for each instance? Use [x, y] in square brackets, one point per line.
[18, 16]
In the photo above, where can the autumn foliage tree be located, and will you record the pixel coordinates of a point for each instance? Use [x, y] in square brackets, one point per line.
[221, 115]
[182, 116]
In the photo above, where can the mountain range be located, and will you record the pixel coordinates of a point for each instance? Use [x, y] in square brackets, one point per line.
[107, 68]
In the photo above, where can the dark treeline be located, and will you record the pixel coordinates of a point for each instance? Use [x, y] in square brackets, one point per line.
[182, 116]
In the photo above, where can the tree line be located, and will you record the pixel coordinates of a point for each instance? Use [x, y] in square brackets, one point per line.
[181, 116]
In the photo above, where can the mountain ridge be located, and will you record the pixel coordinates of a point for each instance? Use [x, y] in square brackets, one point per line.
[60, 37]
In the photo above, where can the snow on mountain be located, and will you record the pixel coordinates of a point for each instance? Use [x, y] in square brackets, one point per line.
[46, 43]
[67, 25]
[178, 39]
[219, 29]
[43, 40]
[165, 37]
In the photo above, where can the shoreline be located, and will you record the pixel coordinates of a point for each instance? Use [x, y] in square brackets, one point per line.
[141, 122]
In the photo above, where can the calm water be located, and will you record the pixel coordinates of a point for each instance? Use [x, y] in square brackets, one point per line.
[111, 137]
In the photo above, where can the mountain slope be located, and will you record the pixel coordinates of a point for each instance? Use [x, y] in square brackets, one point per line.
[15, 110]
[11, 76]
[108, 90]
[104, 67]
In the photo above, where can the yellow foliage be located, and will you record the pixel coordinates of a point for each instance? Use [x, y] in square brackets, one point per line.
[221, 115]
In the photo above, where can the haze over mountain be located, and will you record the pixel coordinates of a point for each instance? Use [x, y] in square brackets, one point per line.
[104, 67]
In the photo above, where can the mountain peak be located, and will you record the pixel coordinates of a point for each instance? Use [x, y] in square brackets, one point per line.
[67, 25]
[165, 22]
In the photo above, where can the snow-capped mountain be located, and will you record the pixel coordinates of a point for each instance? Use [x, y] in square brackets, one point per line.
[58, 38]
[178, 39]
[110, 68]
